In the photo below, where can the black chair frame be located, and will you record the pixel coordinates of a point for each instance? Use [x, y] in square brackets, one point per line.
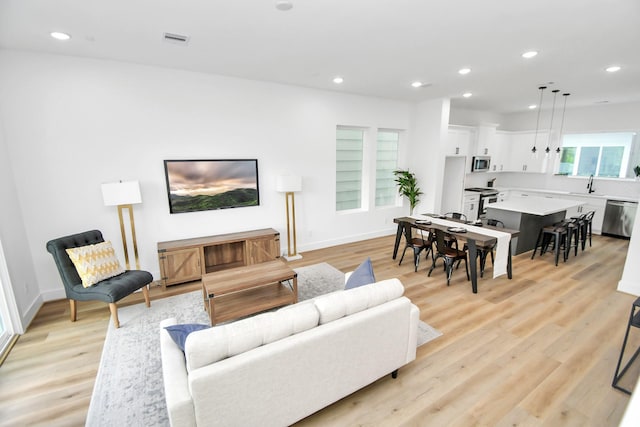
[634, 320]
[418, 244]
[449, 254]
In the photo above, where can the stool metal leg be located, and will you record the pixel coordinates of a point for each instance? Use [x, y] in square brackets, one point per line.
[619, 374]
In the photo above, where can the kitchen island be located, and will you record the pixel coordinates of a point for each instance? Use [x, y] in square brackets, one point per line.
[529, 215]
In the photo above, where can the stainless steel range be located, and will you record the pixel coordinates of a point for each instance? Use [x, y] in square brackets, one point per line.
[487, 196]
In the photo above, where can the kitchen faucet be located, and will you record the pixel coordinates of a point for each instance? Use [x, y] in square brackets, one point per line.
[590, 184]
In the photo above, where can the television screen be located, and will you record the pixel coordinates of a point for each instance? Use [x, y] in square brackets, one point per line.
[200, 185]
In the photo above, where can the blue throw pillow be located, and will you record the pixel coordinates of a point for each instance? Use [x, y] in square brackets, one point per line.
[363, 275]
[179, 333]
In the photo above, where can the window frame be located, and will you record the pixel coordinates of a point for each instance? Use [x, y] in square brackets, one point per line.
[369, 168]
[595, 139]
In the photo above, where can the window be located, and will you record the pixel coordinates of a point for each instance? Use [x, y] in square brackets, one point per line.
[349, 154]
[365, 161]
[386, 163]
[601, 154]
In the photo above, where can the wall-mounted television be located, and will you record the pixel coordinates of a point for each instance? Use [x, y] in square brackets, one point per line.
[200, 185]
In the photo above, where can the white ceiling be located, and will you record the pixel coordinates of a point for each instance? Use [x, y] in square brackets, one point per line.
[378, 46]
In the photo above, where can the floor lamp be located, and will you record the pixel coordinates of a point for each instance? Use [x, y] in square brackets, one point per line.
[124, 195]
[289, 184]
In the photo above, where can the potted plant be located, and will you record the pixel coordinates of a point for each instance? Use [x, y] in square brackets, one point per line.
[408, 187]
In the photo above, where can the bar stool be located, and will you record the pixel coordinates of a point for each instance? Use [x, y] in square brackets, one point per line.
[634, 320]
[574, 235]
[587, 228]
[556, 233]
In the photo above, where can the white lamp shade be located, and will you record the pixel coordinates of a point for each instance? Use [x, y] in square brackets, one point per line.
[288, 183]
[121, 193]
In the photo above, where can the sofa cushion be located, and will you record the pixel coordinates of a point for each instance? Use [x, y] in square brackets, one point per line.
[219, 342]
[95, 263]
[363, 275]
[290, 320]
[339, 304]
[179, 333]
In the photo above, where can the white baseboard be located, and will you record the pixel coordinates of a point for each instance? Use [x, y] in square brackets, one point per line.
[348, 239]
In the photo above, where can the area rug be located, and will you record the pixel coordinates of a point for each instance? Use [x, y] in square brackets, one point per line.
[129, 388]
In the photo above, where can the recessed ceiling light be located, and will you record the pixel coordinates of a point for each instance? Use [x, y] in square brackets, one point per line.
[417, 84]
[532, 107]
[529, 54]
[60, 36]
[284, 5]
[464, 71]
[337, 80]
[613, 69]
[467, 94]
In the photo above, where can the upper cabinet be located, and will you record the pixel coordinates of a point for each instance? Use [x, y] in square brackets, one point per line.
[521, 159]
[461, 140]
[486, 142]
[500, 149]
[509, 151]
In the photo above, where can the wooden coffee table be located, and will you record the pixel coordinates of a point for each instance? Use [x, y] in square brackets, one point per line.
[237, 292]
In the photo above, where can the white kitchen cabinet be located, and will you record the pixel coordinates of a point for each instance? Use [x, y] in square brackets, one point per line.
[486, 141]
[520, 157]
[500, 149]
[470, 206]
[460, 140]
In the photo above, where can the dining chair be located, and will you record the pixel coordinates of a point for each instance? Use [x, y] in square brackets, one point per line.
[449, 254]
[418, 244]
[456, 215]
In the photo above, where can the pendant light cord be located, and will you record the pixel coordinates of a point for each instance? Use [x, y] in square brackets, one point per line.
[553, 109]
[535, 138]
[564, 108]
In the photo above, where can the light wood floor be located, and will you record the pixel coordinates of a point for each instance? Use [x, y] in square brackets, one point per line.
[538, 350]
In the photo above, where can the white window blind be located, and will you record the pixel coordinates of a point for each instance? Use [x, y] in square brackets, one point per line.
[386, 163]
[349, 154]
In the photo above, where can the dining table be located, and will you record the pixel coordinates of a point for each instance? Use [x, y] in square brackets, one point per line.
[475, 235]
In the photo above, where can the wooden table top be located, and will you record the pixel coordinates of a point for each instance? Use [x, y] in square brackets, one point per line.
[246, 277]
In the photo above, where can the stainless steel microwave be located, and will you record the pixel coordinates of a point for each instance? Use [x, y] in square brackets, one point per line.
[480, 164]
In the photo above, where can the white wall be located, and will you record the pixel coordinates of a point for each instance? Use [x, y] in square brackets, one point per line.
[461, 116]
[430, 124]
[71, 124]
[14, 240]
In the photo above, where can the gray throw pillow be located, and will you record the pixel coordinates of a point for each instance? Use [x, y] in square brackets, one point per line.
[363, 275]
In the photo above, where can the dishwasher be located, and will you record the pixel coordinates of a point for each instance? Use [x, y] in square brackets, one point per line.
[618, 218]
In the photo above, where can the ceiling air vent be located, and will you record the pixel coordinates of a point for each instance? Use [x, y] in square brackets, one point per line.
[176, 38]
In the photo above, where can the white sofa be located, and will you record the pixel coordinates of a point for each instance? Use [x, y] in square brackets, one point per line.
[276, 368]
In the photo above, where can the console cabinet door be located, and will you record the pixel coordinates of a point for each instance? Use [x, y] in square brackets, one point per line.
[263, 249]
[180, 265]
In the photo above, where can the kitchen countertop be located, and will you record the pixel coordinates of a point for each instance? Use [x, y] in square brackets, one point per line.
[535, 205]
[595, 195]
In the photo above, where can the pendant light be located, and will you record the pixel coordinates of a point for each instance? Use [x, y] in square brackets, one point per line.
[565, 95]
[535, 138]
[553, 109]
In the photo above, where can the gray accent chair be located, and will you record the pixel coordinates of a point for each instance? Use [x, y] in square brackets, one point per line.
[110, 290]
